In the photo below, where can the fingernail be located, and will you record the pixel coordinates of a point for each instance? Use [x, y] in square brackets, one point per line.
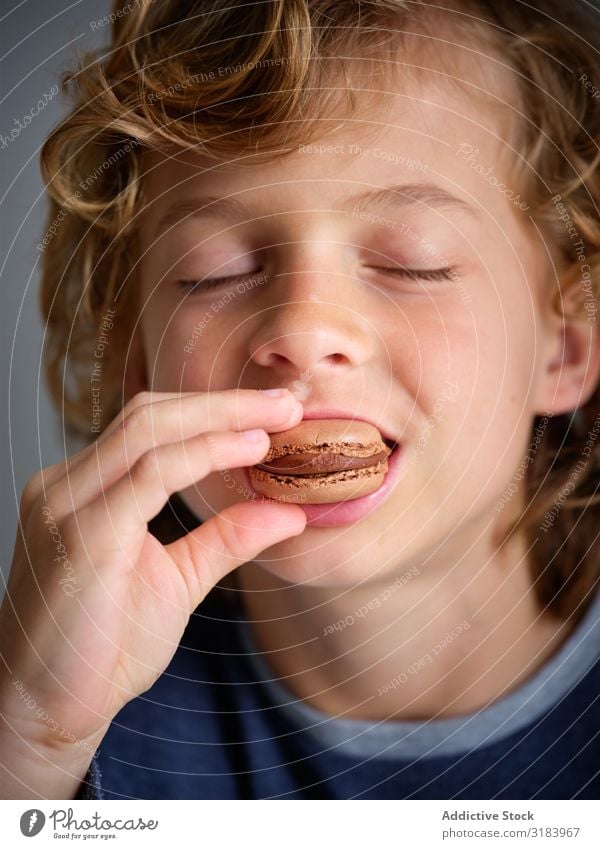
[274, 393]
[253, 436]
[293, 417]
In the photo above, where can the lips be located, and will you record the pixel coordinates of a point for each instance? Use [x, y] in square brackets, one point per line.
[346, 512]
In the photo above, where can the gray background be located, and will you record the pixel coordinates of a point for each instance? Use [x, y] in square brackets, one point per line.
[38, 41]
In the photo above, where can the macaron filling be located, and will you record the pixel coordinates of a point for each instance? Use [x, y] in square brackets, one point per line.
[307, 463]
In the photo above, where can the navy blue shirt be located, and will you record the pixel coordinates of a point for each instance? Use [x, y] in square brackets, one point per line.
[218, 724]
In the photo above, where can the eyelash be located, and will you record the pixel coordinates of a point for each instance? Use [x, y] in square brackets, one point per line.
[421, 273]
[211, 282]
[432, 274]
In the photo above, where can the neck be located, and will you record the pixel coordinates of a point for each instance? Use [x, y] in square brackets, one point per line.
[427, 641]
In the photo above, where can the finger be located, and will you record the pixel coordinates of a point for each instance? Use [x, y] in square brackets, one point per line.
[210, 407]
[39, 483]
[141, 399]
[164, 422]
[140, 495]
[234, 536]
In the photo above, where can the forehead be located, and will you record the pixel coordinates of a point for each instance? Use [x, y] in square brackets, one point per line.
[419, 144]
[413, 118]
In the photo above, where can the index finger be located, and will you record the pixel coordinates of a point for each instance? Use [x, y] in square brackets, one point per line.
[216, 410]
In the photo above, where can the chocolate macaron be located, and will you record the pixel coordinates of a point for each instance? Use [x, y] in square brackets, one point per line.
[322, 461]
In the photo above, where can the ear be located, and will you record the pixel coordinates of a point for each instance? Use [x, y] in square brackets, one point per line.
[135, 377]
[571, 368]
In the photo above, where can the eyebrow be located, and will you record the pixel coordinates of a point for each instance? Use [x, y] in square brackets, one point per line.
[390, 197]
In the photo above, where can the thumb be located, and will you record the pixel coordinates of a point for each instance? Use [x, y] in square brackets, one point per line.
[234, 536]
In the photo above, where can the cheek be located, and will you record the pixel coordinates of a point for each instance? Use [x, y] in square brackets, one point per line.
[196, 351]
[491, 345]
[492, 363]
[472, 359]
[433, 347]
[166, 359]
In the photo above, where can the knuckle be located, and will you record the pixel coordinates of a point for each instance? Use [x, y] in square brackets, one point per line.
[232, 539]
[31, 492]
[241, 404]
[53, 496]
[144, 398]
[147, 466]
[44, 482]
[228, 404]
[211, 450]
[139, 419]
[140, 399]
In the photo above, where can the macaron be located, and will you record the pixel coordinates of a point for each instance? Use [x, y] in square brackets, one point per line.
[321, 461]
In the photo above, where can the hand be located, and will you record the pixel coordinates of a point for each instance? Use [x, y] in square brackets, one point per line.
[96, 606]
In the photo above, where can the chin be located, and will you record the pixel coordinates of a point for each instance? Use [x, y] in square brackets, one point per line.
[341, 556]
[321, 557]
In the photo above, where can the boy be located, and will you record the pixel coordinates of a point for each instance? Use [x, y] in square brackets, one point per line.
[380, 237]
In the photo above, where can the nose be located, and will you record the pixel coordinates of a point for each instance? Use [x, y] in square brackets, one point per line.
[311, 330]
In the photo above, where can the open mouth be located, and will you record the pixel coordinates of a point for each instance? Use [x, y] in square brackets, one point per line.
[324, 461]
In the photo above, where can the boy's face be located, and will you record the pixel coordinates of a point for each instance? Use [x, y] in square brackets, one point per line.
[447, 363]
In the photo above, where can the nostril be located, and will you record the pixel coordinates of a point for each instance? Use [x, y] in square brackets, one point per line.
[276, 360]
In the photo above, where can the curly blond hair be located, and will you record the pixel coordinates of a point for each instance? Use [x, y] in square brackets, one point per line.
[224, 79]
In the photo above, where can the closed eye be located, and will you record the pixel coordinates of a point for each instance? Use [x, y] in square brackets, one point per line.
[213, 282]
[445, 273]
[431, 274]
